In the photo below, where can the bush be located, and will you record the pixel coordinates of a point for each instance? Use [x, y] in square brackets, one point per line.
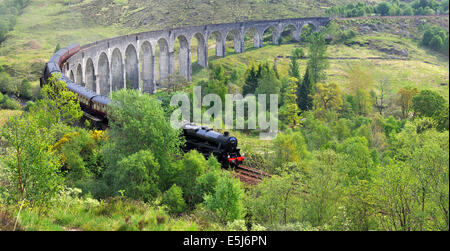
[173, 199]
[6, 84]
[193, 166]
[139, 125]
[136, 175]
[7, 103]
[24, 89]
[206, 183]
[227, 201]
[428, 103]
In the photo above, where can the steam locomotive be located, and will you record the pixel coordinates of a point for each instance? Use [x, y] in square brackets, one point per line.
[207, 141]
[95, 108]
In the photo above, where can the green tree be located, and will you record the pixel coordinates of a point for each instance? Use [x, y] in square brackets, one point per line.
[317, 61]
[383, 8]
[251, 79]
[289, 147]
[6, 84]
[173, 199]
[32, 170]
[324, 190]
[57, 106]
[193, 166]
[422, 166]
[327, 97]
[359, 85]
[138, 122]
[305, 92]
[207, 182]
[24, 89]
[268, 83]
[358, 160]
[404, 100]
[275, 200]
[395, 194]
[289, 111]
[3, 30]
[227, 202]
[137, 175]
[293, 67]
[427, 103]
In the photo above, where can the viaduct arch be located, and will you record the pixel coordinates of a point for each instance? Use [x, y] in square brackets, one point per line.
[142, 60]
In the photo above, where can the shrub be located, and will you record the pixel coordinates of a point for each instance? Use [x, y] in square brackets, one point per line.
[227, 201]
[6, 84]
[137, 176]
[173, 199]
[24, 89]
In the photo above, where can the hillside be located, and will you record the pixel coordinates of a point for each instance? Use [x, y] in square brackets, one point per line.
[159, 14]
[44, 24]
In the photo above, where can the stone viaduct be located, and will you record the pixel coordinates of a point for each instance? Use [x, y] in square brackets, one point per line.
[142, 60]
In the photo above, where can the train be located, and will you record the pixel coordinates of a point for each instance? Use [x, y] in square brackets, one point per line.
[95, 108]
[207, 141]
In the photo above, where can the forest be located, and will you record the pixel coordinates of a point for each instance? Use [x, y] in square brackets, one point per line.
[361, 154]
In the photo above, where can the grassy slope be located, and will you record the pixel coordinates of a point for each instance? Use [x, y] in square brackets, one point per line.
[424, 69]
[158, 14]
[44, 24]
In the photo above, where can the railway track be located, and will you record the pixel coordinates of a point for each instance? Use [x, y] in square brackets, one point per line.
[249, 175]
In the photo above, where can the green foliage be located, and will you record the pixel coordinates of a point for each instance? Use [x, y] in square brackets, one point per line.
[6, 84]
[31, 171]
[404, 100]
[173, 199]
[324, 184]
[317, 132]
[428, 103]
[57, 106]
[359, 85]
[390, 8]
[80, 152]
[137, 175]
[358, 160]
[293, 67]
[57, 48]
[206, 183]
[3, 30]
[336, 34]
[274, 201]
[327, 97]
[289, 147]
[24, 89]
[436, 38]
[298, 53]
[193, 166]
[227, 202]
[289, 111]
[7, 103]
[71, 211]
[317, 61]
[268, 83]
[138, 122]
[305, 92]
[251, 79]
[383, 8]
[350, 10]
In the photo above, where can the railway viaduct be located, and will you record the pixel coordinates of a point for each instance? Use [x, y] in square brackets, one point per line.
[142, 60]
